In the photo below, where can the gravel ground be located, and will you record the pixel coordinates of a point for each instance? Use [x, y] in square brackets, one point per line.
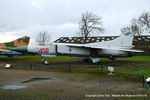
[64, 84]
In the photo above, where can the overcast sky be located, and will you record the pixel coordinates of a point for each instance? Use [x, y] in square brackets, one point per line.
[60, 17]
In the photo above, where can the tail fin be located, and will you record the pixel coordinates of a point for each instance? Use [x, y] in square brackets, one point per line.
[33, 42]
[24, 41]
[124, 40]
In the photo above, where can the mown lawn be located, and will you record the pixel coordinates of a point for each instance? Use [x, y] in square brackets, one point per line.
[137, 58]
[134, 58]
[135, 64]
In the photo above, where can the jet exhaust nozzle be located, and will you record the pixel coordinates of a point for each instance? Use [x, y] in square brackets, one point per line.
[20, 49]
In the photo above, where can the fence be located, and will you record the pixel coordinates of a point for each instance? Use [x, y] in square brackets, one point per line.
[84, 68]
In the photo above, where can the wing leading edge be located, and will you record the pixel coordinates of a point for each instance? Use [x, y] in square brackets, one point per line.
[101, 47]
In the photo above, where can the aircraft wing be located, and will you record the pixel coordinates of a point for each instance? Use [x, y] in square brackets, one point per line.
[115, 48]
[72, 45]
[101, 47]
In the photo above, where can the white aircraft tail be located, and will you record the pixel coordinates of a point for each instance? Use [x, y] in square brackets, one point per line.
[123, 41]
[33, 42]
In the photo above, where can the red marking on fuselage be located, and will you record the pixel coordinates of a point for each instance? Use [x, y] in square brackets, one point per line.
[44, 51]
[122, 42]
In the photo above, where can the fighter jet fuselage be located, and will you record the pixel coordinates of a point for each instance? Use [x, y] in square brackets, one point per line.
[63, 50]
[118, 48]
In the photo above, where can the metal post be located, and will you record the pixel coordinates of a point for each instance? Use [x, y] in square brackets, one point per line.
[102, 68]
[143, 79]
[42, 59]
[69, 68]
[31, 67]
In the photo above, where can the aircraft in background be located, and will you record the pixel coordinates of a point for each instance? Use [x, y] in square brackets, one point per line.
[120, 47]
[4, 47]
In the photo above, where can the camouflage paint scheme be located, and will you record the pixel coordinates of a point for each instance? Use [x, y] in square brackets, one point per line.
[24, 41]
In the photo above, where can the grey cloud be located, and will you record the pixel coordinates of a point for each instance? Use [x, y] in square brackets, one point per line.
[61, 17]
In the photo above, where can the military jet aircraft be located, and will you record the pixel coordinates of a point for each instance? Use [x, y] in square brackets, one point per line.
[4, 47]
[120, 47]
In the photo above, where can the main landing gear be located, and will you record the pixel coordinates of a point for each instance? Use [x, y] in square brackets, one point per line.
[45, 62]
[92, 59]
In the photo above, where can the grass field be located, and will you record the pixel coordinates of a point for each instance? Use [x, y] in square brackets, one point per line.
[38, 56]
[134, 58]
[138, 61]
[137, 58]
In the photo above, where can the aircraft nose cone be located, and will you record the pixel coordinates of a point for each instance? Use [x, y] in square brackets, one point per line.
[20, 49]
